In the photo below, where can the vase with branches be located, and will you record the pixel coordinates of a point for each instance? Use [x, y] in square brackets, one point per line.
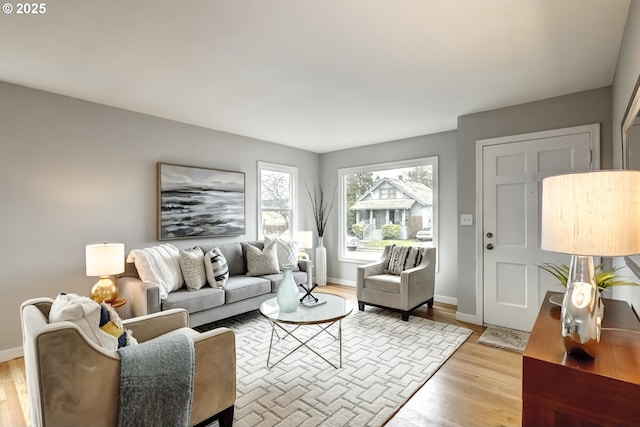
[321, 208]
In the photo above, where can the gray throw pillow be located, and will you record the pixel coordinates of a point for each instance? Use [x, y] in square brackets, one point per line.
[192, 266]
[261, 262]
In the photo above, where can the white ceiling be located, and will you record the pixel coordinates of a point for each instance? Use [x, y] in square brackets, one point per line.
[318, 75]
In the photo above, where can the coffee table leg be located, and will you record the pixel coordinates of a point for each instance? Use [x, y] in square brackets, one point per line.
[340, 339]
[273, 328]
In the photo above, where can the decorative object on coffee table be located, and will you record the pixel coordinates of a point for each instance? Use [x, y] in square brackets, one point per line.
[104, 260]
[287, 296]
[321, 211]
[585, 215]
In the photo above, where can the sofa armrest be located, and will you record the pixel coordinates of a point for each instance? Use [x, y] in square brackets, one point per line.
[153, 325]
[307, 266]
[214, 388]
[142, 297]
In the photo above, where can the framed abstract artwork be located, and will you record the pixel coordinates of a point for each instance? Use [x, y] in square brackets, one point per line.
[198, 202]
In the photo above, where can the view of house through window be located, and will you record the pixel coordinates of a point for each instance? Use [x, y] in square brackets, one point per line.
[384, 204]
[277, 204]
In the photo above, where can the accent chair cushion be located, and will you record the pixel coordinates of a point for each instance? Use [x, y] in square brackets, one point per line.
[193, 270]
[99, 322]
[404, 258]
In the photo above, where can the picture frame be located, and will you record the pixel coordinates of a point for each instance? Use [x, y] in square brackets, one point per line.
[198, 202]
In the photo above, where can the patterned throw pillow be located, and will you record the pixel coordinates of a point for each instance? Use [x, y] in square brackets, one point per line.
[192, 266]
[215, 266]
[403, 258]
[100, 322]
[286, 250]
[261, 262]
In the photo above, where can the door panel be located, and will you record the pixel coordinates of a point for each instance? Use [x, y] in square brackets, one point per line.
[513, 285]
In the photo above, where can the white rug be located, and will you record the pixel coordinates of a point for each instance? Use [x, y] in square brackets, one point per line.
[508, 339]
[385, 360]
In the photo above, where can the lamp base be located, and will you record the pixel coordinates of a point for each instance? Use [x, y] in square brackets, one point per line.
[303, 255]
[105, 290]
[582, 309]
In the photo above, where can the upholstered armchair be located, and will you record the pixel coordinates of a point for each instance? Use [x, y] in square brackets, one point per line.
[402, 285]
[72, 381]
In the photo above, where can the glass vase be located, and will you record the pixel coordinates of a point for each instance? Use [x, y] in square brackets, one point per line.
[288, 295]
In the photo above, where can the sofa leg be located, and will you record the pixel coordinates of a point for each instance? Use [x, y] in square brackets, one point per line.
[430, 303]
[405, 316]
[360, 306]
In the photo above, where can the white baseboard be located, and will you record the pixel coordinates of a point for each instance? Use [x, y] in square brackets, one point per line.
[12, 353]
[468, 318]
[446, 300]
[337, 281]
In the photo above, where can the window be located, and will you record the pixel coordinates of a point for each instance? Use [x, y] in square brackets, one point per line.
[277, 206]
[389, 203]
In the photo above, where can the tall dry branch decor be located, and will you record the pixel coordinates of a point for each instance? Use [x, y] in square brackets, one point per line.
[321, 209]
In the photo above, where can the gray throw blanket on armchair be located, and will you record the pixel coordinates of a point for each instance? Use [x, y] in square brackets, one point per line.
[156, 382]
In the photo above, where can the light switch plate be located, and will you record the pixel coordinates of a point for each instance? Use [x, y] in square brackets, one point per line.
[466, 219]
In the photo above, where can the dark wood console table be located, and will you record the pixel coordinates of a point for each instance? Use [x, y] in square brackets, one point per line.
[561, 390]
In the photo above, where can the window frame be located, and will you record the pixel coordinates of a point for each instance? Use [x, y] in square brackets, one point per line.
[343, 254]
[293, 179]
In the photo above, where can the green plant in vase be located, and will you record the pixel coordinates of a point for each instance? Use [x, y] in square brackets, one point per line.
[604, 279]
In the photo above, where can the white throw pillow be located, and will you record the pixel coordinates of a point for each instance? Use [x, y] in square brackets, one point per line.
[159, 265]
[261, 262]
[85, 313]
[216, 268]
[286, 250]
[192, 266]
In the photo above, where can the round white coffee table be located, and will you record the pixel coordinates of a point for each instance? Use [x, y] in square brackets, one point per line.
[325, 315]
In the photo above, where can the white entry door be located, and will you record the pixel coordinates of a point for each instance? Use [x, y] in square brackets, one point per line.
[512, 172]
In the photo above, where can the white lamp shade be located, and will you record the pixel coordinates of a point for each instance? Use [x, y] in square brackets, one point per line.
[104, 259]
[305, 239]
[594, 213]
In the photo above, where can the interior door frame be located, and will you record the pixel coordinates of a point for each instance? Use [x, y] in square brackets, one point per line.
[594, 132]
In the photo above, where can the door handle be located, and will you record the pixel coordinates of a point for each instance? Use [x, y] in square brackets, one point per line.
[489, 246]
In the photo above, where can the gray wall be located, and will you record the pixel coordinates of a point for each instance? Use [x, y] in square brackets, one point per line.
[581, 108]
[627, 72]
[441, 145]
[74, 172]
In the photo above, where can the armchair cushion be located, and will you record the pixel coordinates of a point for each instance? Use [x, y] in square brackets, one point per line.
[100, 323]
[403, 258]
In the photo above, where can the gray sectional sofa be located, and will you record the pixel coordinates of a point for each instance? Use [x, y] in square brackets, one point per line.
[241, 293]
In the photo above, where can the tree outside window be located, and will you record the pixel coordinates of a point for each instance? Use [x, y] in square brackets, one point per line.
[277, 204]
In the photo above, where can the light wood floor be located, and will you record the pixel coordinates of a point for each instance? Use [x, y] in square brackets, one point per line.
[478, 386]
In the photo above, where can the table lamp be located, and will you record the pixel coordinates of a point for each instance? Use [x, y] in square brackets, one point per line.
[104, 260]
[586, 215]
[305, 241]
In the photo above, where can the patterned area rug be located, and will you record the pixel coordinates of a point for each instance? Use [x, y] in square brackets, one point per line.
[385, 361]
[508, 339]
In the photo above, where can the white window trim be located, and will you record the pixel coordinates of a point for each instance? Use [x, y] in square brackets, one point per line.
[430, 160]
[293, 170]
